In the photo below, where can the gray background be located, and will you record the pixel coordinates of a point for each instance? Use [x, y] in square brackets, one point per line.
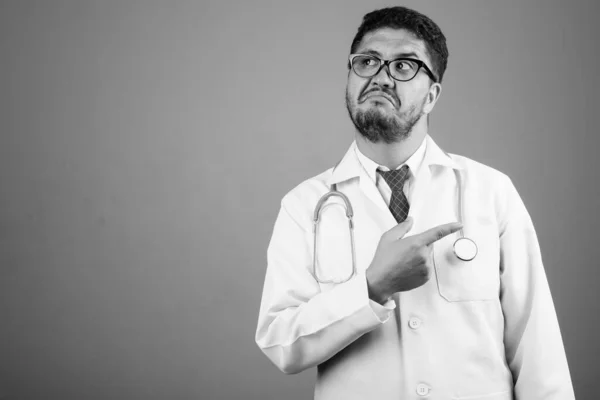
[145, 146]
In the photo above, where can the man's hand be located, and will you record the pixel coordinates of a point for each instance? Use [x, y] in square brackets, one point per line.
[403, 264]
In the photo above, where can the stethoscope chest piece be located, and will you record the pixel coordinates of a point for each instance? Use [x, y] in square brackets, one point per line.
[465, 249]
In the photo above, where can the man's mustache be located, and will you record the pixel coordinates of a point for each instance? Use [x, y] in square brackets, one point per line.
[385, 93]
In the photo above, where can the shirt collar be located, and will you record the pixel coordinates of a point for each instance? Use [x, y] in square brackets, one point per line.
[350, 166]
[414, 162]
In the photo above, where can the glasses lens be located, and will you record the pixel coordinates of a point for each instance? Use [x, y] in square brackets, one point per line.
[403, 70]
[365, 66]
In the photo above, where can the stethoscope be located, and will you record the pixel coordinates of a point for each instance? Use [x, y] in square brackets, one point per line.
[465, 248]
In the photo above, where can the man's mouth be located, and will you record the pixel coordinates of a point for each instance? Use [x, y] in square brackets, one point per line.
[378, 93]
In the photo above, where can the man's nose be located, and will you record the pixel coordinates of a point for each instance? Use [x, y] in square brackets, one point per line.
[383, 78]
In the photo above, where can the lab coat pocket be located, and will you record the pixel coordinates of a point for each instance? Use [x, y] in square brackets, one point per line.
[334, 249]
[478, 279]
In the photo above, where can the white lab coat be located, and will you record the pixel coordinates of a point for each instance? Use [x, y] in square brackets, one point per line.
[479, 330]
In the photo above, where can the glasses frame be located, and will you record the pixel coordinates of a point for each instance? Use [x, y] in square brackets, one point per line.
[383, 63]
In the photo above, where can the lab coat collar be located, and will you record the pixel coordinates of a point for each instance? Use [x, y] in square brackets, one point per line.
[349, 167]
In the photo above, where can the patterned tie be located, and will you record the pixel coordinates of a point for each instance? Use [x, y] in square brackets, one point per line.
[399, 203]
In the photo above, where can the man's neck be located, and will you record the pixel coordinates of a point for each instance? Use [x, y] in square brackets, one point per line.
[391, 155]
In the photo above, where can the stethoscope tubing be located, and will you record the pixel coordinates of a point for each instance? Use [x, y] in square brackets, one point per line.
[465, 248]
[333, 192]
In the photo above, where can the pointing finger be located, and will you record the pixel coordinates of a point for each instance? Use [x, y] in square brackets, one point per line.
[398, 231]
[438, 232]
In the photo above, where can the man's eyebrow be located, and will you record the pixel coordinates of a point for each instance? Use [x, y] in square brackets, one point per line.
[411, 54]
[370, 52]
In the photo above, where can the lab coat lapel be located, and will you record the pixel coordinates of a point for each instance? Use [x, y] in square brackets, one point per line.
[434, 190]
[422, 207]
[350, 167]
[368, 187]
[371, 215]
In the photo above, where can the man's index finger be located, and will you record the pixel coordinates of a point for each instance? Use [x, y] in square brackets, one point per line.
[436, 233]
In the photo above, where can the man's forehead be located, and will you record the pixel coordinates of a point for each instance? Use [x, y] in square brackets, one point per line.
[389, 42]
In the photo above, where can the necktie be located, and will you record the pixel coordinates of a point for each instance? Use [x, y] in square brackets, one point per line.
[399, 203]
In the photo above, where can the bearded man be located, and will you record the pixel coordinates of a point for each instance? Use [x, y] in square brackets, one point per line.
[405, 272]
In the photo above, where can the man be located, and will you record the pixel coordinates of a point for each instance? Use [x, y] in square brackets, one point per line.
[401, 313]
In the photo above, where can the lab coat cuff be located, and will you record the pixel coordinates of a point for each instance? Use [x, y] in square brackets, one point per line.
[354, 295]
[381, 312]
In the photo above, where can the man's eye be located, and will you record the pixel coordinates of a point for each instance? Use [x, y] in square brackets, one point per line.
[368, 62]
[404, 66]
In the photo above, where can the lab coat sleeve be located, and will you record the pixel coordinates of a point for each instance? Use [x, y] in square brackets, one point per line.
[532, 338]
[300, 325]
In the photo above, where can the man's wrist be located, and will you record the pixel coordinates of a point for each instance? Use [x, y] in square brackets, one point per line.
[375, 292]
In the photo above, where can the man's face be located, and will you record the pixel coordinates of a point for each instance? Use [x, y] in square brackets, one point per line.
[382, 108]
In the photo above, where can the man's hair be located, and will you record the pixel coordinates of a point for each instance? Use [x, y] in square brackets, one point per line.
[418, 24]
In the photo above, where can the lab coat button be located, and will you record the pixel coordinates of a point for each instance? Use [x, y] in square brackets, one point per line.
[414, 323]
[422, 389]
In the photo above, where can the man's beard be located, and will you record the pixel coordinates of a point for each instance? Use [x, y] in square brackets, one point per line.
[375, 126]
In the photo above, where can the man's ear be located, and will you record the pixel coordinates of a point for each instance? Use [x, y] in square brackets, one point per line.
[432, 97]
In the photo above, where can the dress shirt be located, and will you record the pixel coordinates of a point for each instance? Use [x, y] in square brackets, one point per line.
[414, 162]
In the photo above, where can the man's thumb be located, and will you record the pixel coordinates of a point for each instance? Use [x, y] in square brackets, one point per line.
[401, 229]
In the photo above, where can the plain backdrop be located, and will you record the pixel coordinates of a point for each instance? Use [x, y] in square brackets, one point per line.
[145, 147]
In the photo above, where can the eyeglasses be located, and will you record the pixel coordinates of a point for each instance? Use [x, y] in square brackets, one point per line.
[401, 69]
